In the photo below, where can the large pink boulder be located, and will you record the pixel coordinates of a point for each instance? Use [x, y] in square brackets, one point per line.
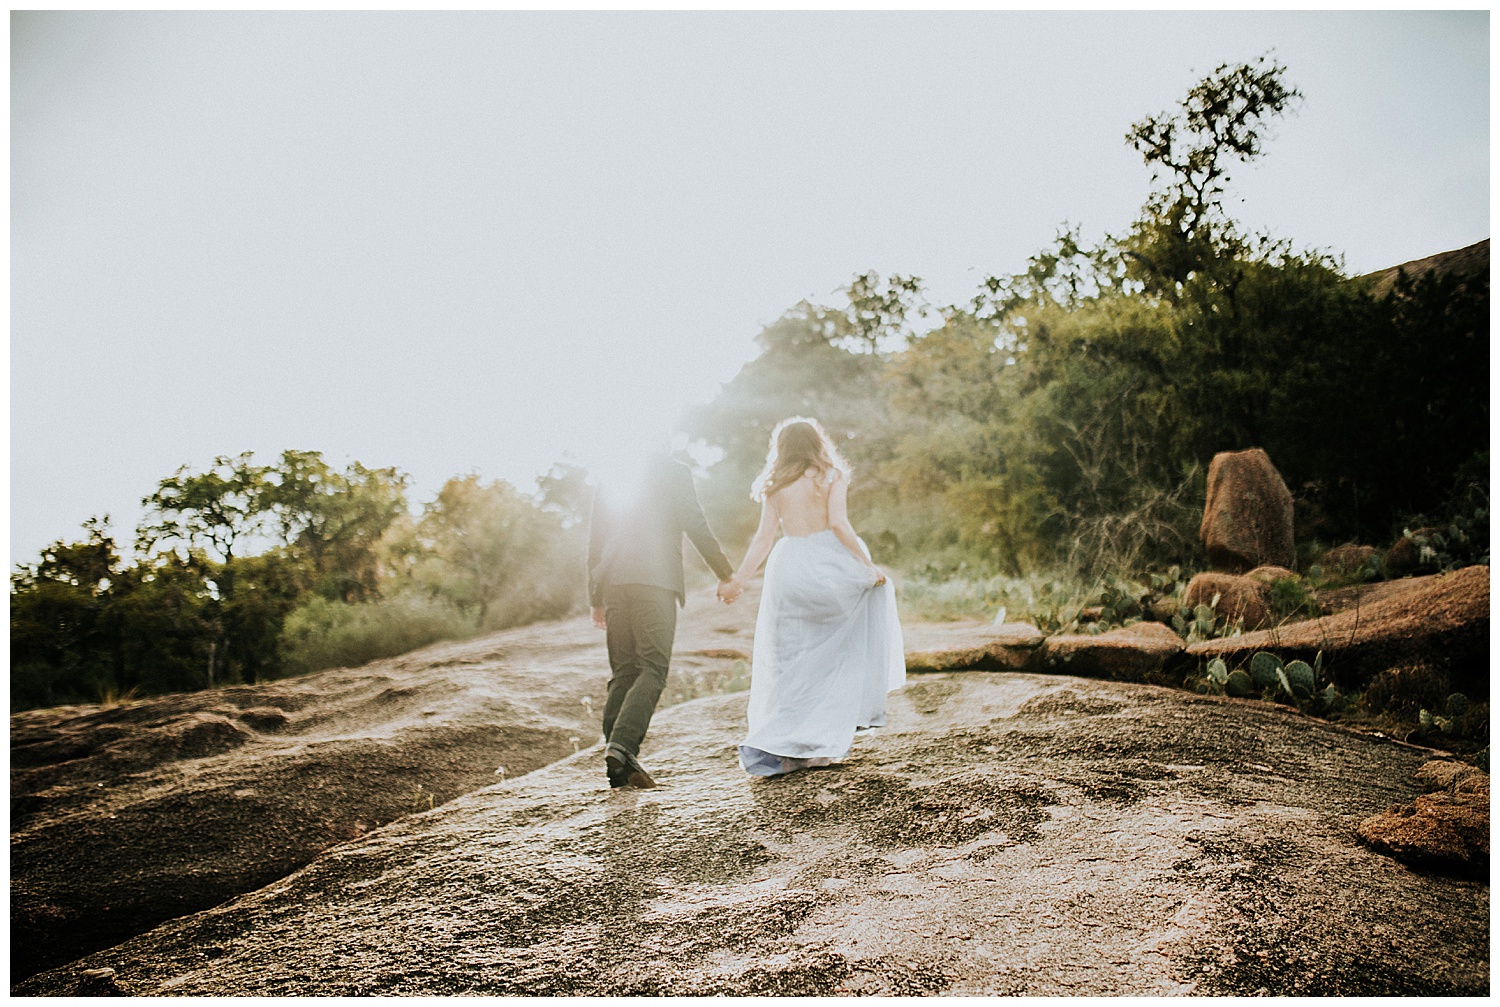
[1247, 519]
[1232, 596]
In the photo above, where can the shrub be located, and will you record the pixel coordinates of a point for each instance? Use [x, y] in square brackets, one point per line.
[1458, 725]
[1203, 622]
[1047, 601]
[1291, 599]
[1403, 692]
[335, 634]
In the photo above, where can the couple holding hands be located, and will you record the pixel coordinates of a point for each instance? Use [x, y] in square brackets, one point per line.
[827, 639]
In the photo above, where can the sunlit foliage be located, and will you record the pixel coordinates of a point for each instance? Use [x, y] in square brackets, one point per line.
[1053, 430]
[1065, 416]
[249, 572]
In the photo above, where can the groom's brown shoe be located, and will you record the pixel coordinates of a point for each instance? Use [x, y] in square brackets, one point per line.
[621, 775]
[615, 769]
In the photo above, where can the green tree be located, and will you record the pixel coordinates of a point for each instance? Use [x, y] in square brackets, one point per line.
[268, 587]
[1143, 357]
[491, 551]
[1222, 121]
[335, 519]
[877, 317]
[564, 491]
[806, 367]
[165, 621]
[60, 644]
[210, 515]
[216, 509]
[950, 471]
[1136, 360]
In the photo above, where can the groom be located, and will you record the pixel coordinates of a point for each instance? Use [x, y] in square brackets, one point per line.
[635, 586]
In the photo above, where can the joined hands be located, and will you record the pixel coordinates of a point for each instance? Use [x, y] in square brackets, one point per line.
[729, 591]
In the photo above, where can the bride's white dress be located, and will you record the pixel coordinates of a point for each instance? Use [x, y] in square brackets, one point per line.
[827, 650]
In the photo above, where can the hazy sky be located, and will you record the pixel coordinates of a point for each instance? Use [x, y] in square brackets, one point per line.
[486, 241]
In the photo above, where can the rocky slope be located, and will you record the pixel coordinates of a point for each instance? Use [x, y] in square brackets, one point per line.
[1008, 833]
[124, 817]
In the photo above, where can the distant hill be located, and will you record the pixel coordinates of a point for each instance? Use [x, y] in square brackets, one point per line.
[1470, 258]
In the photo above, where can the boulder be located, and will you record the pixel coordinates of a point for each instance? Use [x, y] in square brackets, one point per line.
[966, 646]
[1134, 653]
[1404, 557]
[99, 983]
[1445, 774]
[1343, 599]
[1346, 560]
[1270, 573]
[1240, 598]
[1443, 622]
[1162, 609]
[1448, 830]
[1247, 519]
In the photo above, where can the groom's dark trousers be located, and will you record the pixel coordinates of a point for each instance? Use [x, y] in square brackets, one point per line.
[635, 575]
[641, 621]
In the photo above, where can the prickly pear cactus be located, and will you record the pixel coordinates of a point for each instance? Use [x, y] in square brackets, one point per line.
[1429, 722]
[1239, 684]
[1214, 677]
[1283, 687]
[1457, 704]
[1300, 674]
[1329, 700]
[1265, 670]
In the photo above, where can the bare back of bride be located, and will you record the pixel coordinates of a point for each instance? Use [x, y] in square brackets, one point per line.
[828, 642]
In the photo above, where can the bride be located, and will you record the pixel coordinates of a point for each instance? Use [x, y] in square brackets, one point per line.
[827, 640]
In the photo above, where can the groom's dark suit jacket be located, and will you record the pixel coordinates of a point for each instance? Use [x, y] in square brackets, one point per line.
[639, 540]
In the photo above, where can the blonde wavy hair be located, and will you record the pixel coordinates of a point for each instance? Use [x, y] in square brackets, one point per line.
[798, 443]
